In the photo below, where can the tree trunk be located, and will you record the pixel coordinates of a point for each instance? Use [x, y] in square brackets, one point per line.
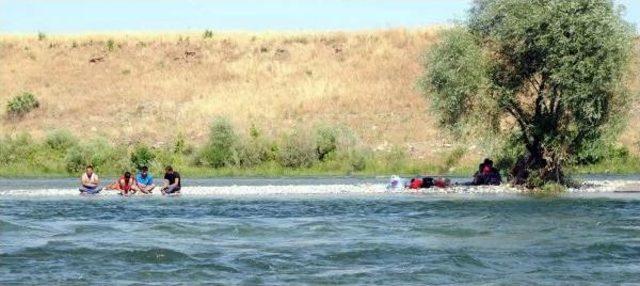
[535, 169]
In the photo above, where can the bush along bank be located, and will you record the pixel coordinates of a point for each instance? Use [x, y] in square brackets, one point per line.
[321, 150]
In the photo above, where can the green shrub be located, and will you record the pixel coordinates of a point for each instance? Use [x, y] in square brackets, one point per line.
[61, 140]
[344, 147]
[20, 148]
[453, 158]
[395, 159]
[221, 149]
[99, 153]
[326, 141]
[180, 146]
[208, 34]
[256, 149]
[297, 151]
[41, 36]
[509, 153]
[111, 45]
[356, 159]
[142, 156]
[22, 104]
[598, 151]
[534, 181]
[166, 157]
[548, 190]
[76, 159]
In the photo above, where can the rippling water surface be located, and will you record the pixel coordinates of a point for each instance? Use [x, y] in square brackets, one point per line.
[359, 238]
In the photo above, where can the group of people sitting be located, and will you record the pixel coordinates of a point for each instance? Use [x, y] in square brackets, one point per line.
[487, 174]
[129, 184]
[418, 183]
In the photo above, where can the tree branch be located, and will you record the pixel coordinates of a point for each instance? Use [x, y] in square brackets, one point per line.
[519, 115]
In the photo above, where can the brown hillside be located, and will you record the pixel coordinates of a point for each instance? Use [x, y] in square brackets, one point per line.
[143, 87]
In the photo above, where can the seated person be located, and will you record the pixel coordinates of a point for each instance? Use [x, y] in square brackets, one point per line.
[396, 183]
[442, 183]
[172, 182]
[90, 182]
[123, 184]
[428, 182]
[487, 174]
[144, 181]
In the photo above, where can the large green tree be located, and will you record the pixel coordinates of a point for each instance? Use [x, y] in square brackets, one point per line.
[550, 74]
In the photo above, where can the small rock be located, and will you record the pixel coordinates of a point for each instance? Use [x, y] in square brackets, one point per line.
[96, 59]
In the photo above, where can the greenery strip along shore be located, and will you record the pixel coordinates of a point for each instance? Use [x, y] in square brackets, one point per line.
[322, 151]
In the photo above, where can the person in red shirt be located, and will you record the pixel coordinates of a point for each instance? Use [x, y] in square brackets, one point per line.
[124, 184]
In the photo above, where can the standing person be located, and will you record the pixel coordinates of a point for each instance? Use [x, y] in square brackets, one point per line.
[90, 182]
[144, 181]
[172, 182]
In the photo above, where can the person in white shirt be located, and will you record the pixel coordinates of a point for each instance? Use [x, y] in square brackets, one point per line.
[90, 182]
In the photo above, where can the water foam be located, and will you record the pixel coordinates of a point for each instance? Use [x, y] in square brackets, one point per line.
[329, 189]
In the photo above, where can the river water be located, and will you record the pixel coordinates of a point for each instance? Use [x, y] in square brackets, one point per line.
[316, 231]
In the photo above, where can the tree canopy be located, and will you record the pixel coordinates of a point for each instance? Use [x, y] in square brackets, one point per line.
[548, 73]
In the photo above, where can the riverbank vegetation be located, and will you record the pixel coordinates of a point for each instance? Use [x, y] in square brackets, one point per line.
[322, 150]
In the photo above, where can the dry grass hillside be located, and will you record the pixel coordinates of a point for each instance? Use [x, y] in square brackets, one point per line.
[149, 87]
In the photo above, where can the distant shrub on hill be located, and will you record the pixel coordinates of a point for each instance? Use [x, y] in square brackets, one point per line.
[111, 45]
[22, 104]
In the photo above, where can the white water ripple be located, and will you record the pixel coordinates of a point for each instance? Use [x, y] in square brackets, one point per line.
[603, 186]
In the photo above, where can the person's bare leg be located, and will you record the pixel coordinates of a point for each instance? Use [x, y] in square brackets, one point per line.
[149, 188]
[135, 189]
[141, 189]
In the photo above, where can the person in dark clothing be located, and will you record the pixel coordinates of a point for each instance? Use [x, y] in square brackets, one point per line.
[172, 182]
[487, 174]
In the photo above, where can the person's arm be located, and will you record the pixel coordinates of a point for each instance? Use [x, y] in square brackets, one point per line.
[165, 183]
[137, 182]
[96, 180]
[177, 182]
